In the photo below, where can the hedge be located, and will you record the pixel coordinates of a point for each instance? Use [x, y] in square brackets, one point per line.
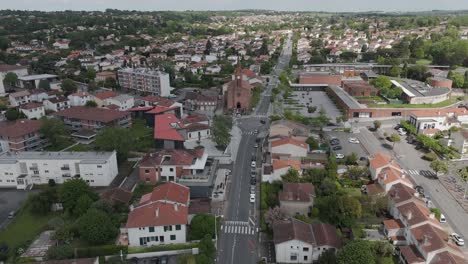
[132, 250]
[106, 250]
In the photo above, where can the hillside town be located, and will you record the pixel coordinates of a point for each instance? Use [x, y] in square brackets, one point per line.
[233, 137]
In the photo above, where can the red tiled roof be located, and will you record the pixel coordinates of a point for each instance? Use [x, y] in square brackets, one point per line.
[157, 100]
[320, 79]
[373, 189]
[195, 119]
[393, 224]
[166, 126]
[439, 112]
[105, 95]
[292, 229]
[161, 109]
[117, 195]
[140, 108]
[7, 67]
[279, 164]
[196, 127]
[300, 192]
[169, 192]
[448, 258]
[411, 254]
[289, 140]
[429, 238]
[400, 192]
[19, 128]
[80, 94]
[183, 157]
[158, 214]
[389, 175]
[326, 235]
[91, 113]
[380, 160]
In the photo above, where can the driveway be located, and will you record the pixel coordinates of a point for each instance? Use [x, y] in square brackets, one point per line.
[10, 200]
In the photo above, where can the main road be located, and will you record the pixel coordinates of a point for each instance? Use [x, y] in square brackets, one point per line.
[238, 239]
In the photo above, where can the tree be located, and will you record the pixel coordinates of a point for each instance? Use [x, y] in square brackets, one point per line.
[13, 114]
[10, 78]
[96, 227]
[291, 176]
[395, 138]
[327, 257]
[377, 125]
[90, 74]
[382, 82]
[44, 84]
[55, 131]
[339, 210]
[357, 172]
[207, 250]
[313, 144]
[383, 248]
[208, 47]
[351, 159]
[273, 214]
[69, 86]
[119, 139]
[91, 104]
[201, 225]
[221, 130]
[439, 166]
[82, 205]
[60, 252]
[395, 71]
[40, 203]
[4, 43]
[71, 191]
[457, 79]
[332, 167]
[356, 252]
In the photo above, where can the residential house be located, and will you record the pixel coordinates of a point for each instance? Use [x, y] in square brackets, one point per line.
[79, 98]
[57, 104]
[289, 147]
[124, 102]
[19, 98]
[169, 132]
[172, 164]
[379, 162]
[22, 169]
[197, 127]
[92, 118]
[103, 76]
[198, 102]
[100, 98]
[299, 242]
[61, 44]
[431, 121]
[33, 110]
[297, 198]
[287, 128]
[23, 135]
[459, 140]
[39, 95]
[117, 196]
[5, 68]
[160, 218]
[279, 168]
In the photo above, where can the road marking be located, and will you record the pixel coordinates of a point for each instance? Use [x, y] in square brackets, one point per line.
[250, 219]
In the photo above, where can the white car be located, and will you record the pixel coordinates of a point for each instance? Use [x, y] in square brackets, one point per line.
[252, 198]
[253, 164]
[339, 156]
[353, 140]
[457, 239]
[402, 133]
[442, 218]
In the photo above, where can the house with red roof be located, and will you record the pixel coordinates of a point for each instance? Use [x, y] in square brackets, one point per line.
[92, 118]
[22, 135]
[278, 168]
[296, 198]
[79, 98]
[169, 165]
[380, 161]
[289, 146]
[431, 121]
[197, 127]
[169, 132]
[160, 218]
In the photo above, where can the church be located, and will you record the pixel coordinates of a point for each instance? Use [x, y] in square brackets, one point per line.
[238, 92]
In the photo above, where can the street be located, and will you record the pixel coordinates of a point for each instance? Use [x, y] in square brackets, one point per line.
[238, 239]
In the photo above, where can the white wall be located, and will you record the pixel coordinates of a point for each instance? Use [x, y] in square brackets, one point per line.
[194, 135]
[285, 250]
[36, 113]
[134, 235]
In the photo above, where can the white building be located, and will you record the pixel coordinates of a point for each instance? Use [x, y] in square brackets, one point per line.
[145, 80]
[61, 44]
[79, 98]
[57, 104]
[19, 98]
[160, 218]
[33, 110]
[4, 69]
[123, 101]
[429, 122]
[22, 169]
[300, 242]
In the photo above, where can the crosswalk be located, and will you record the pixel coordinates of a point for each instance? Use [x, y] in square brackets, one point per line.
[248, 133]
[425, 173]
[237, 227]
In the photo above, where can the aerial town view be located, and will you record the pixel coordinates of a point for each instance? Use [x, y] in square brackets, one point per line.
[233, 132]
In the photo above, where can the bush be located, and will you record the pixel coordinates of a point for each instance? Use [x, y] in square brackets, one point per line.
[201, 225]
[436, 212]
[60, 252]
[106, 250]
[430, 156]
[311, 109]
[162, 248]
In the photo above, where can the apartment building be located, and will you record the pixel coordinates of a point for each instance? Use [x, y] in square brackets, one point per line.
[23, 135]
[92, 118]
[23, 169]
[145, 80]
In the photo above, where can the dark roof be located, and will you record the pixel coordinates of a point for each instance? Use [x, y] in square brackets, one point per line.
[19, 128]
[117, 195]
[165, 157]
[293, 229]
[170, 191]
[7, 67]
[91, 113]
[196, 127]
[31, 105]
[326, 235]
[58, 99]
[299, 192]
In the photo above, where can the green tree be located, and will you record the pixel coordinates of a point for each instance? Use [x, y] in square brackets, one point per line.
[82, 205]
[10, 78]
[313, 144]
[70, 192]
[395, 71]
[55, 131]
[96, 227]
[13, 114]
[382, 82]
[327, 257]
[4, 43]
[458, 80]
[91, 104]
[40, 203]
[44, 84]
[351, 159]
[221, 130]
[69, 86]
[207, 248]
[356, 252]
[201, 225]
[291, 176]
[395, 138]
[439, 166]
[332, 167]
[118, 139]
[377, 125]
[339, 210]
[90, 74]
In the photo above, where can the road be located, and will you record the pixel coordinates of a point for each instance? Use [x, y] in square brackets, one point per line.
[238, 239]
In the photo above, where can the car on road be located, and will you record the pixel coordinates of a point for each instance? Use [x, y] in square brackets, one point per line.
[337, 148]
[457, 239]
[253, 164]
[253, 173]
[353, 140]
[253, 181]
[262, 121]
[11, 214]
[252, 198]
[339, 156]
[442, 218]
[334, 142]
[252, 189]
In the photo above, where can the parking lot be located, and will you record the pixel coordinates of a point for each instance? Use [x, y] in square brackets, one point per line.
[10, 200]
[317, 99]
[347, 147]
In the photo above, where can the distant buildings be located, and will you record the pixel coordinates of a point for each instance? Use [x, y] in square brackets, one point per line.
[22, 169]
[145, 81]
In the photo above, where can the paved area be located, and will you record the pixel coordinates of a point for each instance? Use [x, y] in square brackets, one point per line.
[40, 246]
[374, 235]
[316, 98]
[10, 200]
[207, 143]
[348, 148]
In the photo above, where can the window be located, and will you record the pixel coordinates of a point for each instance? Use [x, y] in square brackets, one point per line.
[293, 257]
[306, 249]
[171, 169]
[46, 171]
[146, 171]
[99, 166]
[178, 227]
[305, 258]
[173, 237]
[167, 228]
[151, 228]
[147, 179]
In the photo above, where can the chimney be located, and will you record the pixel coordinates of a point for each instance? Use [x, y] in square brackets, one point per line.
[385, 176]
[432, 216]
[176, 207]
[157, 212]
[409, 215]
[403, 175]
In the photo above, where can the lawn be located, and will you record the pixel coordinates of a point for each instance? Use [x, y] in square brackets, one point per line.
[81, 147]
[142, 135]
[438, 105]
[24, 228]
[423, 62]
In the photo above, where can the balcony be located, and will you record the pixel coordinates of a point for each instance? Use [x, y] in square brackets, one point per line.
[65, 168]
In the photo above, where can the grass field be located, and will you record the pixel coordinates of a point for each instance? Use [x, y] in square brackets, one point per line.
[423, 62]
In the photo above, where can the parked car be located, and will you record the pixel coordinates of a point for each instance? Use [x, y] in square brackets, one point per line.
[337, 148]
[253, 173]
[252, 189]
[11, 214]
[457, 239]
[253, 164]
[353, 140]
[442, 218]
[262, 121]
[252, 198]
[253, 181]
[339, 156]
[402, 133]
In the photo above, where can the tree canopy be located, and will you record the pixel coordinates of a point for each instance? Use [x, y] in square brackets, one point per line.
[70, 192]
[356, 252]
[115, 138]
[96, 227]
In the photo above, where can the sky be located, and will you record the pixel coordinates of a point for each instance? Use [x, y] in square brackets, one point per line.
[286, 5]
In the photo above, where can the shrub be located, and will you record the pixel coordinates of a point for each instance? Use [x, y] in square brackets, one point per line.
[60, 252]
[431, 156]
[106, 250]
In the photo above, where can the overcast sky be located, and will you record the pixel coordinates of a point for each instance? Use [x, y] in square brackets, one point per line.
[296, 5]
